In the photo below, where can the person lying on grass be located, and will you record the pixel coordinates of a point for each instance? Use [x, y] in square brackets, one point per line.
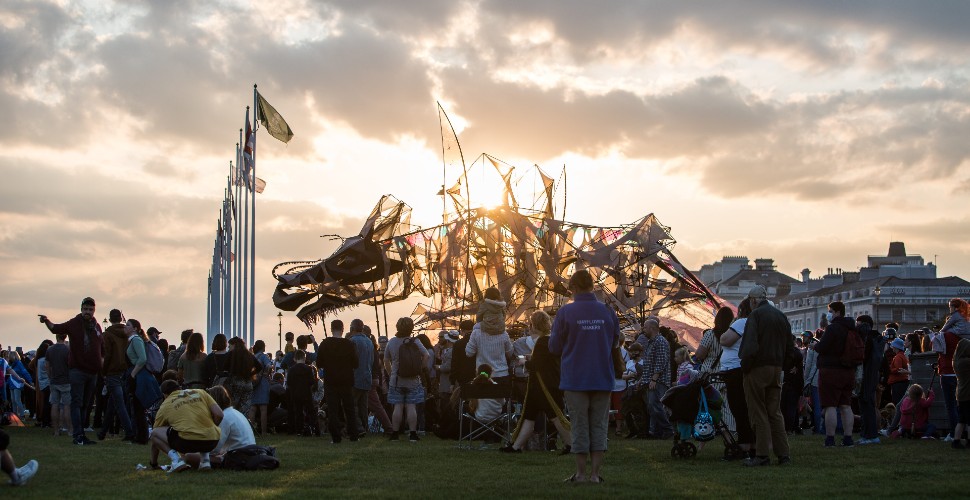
[187, 422]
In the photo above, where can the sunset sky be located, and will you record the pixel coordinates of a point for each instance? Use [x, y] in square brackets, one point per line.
[811, 132]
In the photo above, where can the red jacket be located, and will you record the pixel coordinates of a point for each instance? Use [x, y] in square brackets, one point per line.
[85, 358]
[917, 412]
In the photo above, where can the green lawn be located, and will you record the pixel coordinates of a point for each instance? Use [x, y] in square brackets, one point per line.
[375, 467]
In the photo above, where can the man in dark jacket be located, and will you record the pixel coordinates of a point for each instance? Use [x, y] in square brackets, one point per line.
[875, 346]
[338, 359]
[84, 360]
[462, 365]
[835, 380]
[766, 342]
[115, 365]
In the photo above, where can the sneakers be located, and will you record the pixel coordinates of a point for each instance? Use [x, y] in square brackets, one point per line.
[25, 473]
[928, 438]
[865, 441]
[84, 441]
[830, 441]
[757, 462]
[948, 438]
[847, 442]
[205, 466]
[884, 432]
[413, 437]
[178, 465]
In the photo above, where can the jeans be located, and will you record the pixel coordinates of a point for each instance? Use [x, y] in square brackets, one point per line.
[16, 402]
[360, 404]
[659, 422]
[341, 411]
[867, 402]
[949, 385]
[116, 404]
[816, 411]
[82, 393]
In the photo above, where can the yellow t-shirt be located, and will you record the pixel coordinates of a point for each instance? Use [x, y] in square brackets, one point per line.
[288, 348]
[188, 412]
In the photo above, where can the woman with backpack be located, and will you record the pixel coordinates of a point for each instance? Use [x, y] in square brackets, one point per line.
[144, 387]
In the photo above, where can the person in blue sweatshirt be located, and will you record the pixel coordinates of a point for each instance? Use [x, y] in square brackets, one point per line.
[584, 334]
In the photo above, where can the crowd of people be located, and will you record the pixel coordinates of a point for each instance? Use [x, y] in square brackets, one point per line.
[571, 374]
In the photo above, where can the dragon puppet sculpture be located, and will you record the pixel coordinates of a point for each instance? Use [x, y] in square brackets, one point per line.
[527, 253]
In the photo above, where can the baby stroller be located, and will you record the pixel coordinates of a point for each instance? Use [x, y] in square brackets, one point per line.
[696, 408]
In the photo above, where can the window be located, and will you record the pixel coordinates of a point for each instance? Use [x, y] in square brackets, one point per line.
[932, 315]
[897, 315]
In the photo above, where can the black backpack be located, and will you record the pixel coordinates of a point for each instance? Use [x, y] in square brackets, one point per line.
[252, 457]
[410, 359]
[854, 351]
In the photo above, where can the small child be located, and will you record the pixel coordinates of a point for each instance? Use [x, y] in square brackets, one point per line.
[961, 365]
[915, 414]
[491, 312]
[682, 359]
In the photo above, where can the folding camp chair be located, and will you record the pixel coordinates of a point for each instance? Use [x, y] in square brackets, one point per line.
[471, 428]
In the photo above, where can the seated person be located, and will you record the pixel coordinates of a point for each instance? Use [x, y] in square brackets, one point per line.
[486, 410]
[235, 430]
[187, 422]
[914, 420]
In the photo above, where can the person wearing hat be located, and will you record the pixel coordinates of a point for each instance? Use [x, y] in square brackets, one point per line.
[898, 371]
[766, 343]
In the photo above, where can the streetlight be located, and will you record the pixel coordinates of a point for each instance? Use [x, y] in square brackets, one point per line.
[279, 316]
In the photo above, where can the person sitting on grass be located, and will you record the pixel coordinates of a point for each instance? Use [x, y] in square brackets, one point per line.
[914, 420]
[235, 431]
[18, 475]
[187, 422]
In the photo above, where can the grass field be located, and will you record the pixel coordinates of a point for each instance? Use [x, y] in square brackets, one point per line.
[434, 468]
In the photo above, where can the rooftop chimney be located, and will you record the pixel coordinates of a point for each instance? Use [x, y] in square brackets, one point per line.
[897, 249]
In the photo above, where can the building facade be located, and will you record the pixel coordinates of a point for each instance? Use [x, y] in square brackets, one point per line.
[896, 288]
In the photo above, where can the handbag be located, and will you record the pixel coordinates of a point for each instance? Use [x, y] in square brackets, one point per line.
[703, 423]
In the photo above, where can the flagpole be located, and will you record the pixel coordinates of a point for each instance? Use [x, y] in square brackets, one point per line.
[252, 268]
[208, 303]
[240, 296]
[235, 247]
[237, 299]
[217, 289]
[233, 235]
[226, 295]
[247, 191]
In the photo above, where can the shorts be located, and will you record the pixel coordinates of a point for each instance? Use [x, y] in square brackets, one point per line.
[835, 386]
[61, 394]
[189, 445]
[964, 407]
[405, 395]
